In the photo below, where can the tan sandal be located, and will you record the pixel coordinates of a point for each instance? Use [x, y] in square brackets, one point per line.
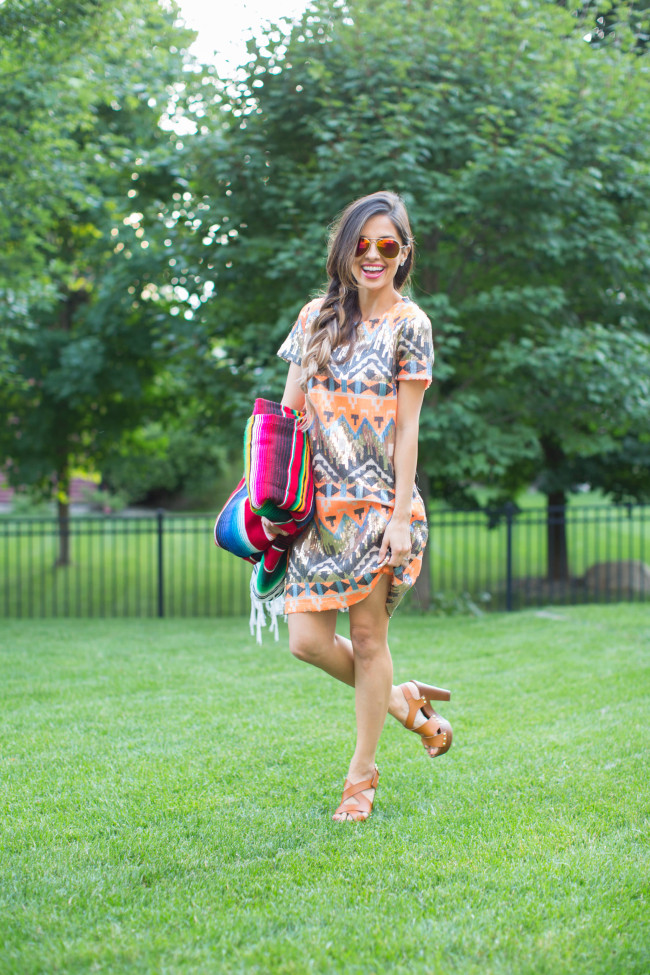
[436, 731]
[362, 807]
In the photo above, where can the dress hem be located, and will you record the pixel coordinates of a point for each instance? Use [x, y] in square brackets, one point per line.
[343, 601]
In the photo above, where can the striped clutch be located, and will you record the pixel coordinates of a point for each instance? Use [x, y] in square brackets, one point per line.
[278, 485]
[277, 462]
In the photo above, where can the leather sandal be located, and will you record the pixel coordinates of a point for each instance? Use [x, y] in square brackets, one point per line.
[436, 731]
[362, 807]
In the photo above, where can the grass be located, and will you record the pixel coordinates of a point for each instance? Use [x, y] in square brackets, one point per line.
[167, 788]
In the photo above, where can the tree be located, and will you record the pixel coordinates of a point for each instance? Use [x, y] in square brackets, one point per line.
[86, 285]
[522, 153]
[611, 22]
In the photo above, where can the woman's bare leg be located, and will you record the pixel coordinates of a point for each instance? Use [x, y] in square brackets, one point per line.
[373, 672]
[313, 639]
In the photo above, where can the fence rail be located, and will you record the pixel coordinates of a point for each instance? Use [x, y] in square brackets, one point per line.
[167, 565]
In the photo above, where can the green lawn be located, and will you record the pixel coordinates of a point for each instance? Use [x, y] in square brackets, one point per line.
[167, 789]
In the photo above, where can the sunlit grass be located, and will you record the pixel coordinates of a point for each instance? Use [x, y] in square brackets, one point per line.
[167, 790]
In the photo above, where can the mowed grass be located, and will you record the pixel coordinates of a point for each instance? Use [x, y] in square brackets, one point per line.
[167, 790]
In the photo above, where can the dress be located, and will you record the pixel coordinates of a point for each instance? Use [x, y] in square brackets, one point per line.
[334, 563]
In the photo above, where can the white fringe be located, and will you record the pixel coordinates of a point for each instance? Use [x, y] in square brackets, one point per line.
[273, 605]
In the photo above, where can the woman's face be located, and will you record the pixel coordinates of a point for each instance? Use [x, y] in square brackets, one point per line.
[373, 270]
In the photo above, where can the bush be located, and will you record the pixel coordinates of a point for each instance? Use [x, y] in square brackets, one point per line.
[154, 465]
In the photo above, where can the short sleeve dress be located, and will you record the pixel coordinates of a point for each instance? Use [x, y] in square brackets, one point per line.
[334, 564]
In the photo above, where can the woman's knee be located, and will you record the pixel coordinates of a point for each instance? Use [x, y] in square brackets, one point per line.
[368, 641]
[311, 634]
[303, 648]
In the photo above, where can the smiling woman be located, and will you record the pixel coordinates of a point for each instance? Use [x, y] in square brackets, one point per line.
[360, 361]
[376, 257]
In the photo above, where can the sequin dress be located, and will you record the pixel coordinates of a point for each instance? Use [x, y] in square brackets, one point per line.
[334, 564]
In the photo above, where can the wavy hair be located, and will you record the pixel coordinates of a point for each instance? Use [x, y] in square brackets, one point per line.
[340, 312]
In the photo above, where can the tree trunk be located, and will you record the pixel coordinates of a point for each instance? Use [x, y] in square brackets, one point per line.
[558, 560]
[67, 309]
[422, 586]
[63, 517]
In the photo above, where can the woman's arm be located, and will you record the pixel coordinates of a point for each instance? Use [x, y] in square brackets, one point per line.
[293, 396]
[397, 536]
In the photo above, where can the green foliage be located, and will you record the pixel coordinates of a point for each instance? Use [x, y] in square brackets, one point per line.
[462, 604]
[522, 152]
[613, 23]
[156, 462]
[24, 504]
[102, 500]
[83, 85]
[86, 286]
[623, 471]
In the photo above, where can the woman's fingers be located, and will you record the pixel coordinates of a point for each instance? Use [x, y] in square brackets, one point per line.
[399, 558]
[395, 547]
[384, 551]
[393, 559]
[271, 529]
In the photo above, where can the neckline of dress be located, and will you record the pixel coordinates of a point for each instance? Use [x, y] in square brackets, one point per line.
[379, 318]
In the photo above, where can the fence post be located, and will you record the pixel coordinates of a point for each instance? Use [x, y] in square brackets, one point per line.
[160, 514]
[510, 509]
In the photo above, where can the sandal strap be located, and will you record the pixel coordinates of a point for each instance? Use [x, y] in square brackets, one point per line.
[351, 789]
[355, 790]
[414, 703]
[434, 732]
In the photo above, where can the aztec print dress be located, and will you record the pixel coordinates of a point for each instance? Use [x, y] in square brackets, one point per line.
[334, 563]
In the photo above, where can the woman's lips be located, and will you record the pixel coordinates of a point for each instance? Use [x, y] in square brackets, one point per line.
[373, 272]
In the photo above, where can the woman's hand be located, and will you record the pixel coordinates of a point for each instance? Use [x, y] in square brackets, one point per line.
[272, 529]
[397, 539]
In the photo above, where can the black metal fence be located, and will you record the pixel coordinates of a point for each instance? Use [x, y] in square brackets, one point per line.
[167, 565]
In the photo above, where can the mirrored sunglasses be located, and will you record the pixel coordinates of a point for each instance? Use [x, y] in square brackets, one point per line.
[387, 246]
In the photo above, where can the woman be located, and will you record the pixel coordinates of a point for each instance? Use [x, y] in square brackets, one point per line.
[360, 360]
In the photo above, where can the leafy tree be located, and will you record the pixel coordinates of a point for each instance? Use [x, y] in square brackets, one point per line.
[522, 153]
[86, 285]
[611, 22]
[161, 462]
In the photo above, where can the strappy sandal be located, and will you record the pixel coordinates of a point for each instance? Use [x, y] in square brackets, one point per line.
[436, 731]
[362, 807]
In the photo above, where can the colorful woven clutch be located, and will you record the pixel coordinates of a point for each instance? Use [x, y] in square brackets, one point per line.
[277, 461]
[238, 529]
[278, 485]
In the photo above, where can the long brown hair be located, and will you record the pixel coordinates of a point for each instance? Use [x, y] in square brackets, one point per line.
[340, 311]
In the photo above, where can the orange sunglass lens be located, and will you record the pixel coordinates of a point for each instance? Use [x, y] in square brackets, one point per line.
[387, 246]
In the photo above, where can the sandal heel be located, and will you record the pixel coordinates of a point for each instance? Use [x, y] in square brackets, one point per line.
[432, 693]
